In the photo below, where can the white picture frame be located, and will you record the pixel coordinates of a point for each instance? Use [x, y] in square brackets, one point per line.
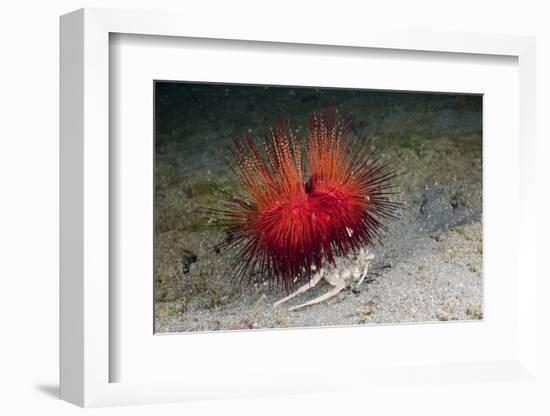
[86, 356]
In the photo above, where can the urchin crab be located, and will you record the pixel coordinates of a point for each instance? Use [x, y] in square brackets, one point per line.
[351, 273]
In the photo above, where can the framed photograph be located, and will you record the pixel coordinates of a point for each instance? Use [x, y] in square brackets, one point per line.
[274, 212]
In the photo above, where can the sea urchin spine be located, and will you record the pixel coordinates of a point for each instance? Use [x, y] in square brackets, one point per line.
[301, 210]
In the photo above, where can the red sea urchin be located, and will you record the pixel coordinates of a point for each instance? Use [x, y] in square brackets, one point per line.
[301, 210]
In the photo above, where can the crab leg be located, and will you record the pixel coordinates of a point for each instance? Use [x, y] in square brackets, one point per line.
[312, 283]
[337, 289]
[368, 258]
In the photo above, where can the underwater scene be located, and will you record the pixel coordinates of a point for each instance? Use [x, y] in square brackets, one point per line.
[282, 207]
